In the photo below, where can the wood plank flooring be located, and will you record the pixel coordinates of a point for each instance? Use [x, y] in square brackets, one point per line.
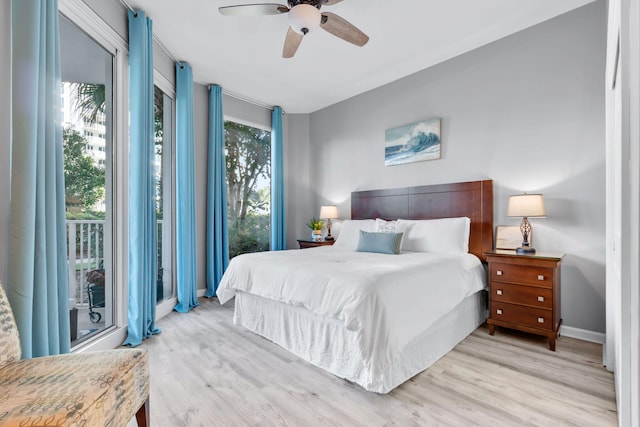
[205, 371]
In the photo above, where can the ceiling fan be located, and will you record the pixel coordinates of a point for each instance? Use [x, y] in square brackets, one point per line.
[304, 16]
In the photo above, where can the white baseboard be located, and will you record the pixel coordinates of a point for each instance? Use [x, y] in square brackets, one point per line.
[582, 334]
[107, 341]
[165, 307]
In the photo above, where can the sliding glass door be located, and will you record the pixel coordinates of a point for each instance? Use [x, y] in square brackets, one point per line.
[87, 119]
[163, 134]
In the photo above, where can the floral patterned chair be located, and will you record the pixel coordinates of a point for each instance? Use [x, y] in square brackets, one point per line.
[104, 388]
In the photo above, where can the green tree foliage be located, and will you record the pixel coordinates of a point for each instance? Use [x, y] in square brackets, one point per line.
[249, 235]
[90, 103]
[248, 152]
[158, 138]
[248, 160]
[90, 100]
[158, 117]
[84, 181]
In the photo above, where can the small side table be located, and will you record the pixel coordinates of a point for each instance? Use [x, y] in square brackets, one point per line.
[305, 244]
[524, 293]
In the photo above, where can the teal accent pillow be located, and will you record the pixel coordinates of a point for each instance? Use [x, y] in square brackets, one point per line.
[382, 243]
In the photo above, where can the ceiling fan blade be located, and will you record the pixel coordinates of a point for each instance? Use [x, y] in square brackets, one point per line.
[291, 43]
[329, 2]
[341, 28]
[254, 9]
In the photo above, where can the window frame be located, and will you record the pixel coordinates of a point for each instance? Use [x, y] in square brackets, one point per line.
[93, 25]
[269, 129]
[165, 307]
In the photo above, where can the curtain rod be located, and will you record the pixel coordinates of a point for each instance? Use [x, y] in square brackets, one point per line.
[246, 99]
[155, 39]
[224, 91]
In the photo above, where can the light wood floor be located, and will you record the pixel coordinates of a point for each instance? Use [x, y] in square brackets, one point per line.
[205, 371]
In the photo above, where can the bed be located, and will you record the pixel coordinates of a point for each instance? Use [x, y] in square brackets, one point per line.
[373, 319]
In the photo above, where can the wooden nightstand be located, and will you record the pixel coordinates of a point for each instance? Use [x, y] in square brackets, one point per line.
[524, 293]
[304, 244]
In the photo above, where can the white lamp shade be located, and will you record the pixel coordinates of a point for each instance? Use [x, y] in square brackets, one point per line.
[526, 205]
[304, 16]
[329, 212]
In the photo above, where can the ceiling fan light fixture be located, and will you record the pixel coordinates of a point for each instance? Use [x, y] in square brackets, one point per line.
[304, 18]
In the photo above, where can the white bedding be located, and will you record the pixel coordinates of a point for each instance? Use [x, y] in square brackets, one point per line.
[386, 300]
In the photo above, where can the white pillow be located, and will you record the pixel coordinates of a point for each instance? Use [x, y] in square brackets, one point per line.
[383, 226]
[445, 235]
[350, 232]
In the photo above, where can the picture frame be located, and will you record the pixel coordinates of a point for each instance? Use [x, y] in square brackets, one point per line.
[414, 142]
[509, 237]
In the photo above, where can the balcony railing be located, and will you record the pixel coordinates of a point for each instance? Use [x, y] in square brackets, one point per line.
[85, 253]
[85, 246]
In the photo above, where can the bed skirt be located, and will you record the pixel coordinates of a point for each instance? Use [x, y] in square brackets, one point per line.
[325, 342]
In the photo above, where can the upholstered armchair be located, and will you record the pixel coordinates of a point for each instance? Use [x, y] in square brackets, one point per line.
[103, 388]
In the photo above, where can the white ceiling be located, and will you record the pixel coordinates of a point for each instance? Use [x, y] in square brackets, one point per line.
[244, 54]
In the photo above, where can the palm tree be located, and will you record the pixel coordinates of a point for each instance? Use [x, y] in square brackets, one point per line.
[90, 100]
[90, 104]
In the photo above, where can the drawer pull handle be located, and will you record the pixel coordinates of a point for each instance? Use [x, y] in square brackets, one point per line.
[499, 273]
[540, 277]
[540, 319]
[498, 311]
[499, 292]
[541, 299]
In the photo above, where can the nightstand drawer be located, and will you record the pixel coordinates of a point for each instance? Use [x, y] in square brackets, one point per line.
[519, 314]
[520, 294]
[524, 293]
[527, 275]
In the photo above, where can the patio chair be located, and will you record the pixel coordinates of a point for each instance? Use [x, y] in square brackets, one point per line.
[104, 388]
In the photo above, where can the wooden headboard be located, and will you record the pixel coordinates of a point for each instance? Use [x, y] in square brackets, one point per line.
[471, 199]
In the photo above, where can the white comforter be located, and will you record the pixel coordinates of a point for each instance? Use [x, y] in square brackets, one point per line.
[387, 300]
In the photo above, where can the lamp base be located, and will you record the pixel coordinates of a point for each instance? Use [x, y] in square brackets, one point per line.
[525, 250]
[329, 238]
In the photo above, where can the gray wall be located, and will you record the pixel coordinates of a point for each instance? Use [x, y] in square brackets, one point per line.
[245, 112]
[301, 192]
[526, 111]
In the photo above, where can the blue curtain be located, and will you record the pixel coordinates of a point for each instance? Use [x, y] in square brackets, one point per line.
[217, 233]
[143, 268]
[37, 278]
[278, 220]
[185, 189]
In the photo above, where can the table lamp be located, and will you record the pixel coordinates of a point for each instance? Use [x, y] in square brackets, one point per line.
[329, 212]
[526, 206]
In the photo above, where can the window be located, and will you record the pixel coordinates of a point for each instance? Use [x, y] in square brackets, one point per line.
[87, 100]
[94, 63]
[248, 163]
[163, 136]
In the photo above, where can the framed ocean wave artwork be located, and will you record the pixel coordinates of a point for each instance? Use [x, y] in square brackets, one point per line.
[416, 142]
